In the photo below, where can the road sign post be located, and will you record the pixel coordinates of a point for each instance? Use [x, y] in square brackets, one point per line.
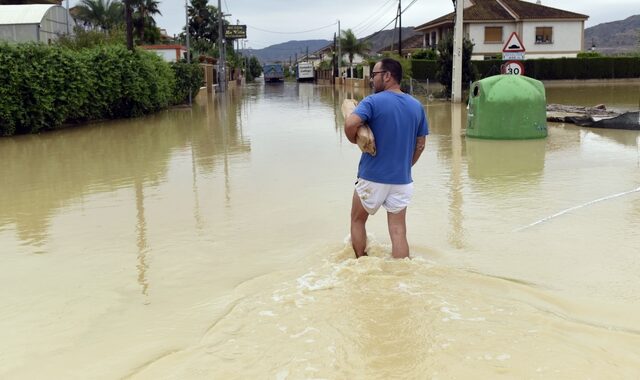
[513, 67]
[513, 52]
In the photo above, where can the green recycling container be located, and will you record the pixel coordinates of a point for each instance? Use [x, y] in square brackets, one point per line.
[507, 107]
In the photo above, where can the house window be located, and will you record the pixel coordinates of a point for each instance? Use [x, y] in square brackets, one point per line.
[544, 35]
[492, 34]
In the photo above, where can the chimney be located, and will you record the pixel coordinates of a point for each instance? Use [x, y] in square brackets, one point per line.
[539, 2]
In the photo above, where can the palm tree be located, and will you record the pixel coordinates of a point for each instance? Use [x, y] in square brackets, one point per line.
[101, 14]
[203, 21]
[143, 16]
[129, 23]
[349, 44]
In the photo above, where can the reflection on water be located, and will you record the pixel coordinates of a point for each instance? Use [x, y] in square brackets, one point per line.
[46, 172]
[190, 243]
[621, 97]
[499, 161]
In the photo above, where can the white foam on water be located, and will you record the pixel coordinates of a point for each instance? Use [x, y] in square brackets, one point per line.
[303, 332]
[282, 375]
[310, 282]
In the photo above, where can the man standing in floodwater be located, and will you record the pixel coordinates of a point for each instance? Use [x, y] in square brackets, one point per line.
[399, 126]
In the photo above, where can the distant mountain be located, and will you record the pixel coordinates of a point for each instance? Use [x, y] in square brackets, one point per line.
[614, 37]
[288, 50]
[387, 37]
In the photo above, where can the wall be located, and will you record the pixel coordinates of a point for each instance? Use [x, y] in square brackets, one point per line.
[480, 48]
[567, 39]
[168, 53]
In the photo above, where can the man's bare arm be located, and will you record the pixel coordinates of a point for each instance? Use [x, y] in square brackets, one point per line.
[351, 125]
[420, 144]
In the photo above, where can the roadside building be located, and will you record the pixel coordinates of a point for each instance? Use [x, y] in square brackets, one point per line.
[313, 58]
[409, 46]
[169, 53]
[34, 22]
[326, 54]
[545, 32]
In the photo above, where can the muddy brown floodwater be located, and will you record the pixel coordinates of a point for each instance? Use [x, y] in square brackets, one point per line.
[212, 243]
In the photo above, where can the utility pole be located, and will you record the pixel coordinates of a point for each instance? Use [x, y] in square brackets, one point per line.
[222, 77]
[400, 28]
[456, 80]
[339, 52]
[334, 65]
[129, 24]
[67, 18]
[186, 34]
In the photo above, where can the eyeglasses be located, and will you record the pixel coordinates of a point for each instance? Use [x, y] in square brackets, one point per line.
[373, 73]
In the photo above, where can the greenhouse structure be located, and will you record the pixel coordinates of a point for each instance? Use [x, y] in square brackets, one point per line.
[34, 22]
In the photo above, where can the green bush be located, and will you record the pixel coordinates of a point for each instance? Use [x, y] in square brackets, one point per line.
[589, 54]
[188, 77]
[424, 69]
[428, 54]
[42, 87]
[85, 39]
[570, 68]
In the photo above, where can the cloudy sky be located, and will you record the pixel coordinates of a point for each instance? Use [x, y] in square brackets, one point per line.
[274, 21]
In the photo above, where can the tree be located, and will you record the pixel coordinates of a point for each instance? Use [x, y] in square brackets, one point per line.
[429, 54]
[101, 14]
[203, 21]
[144, 10]
[445, 62]
[255, 69]
[129, 23]
[350, 45]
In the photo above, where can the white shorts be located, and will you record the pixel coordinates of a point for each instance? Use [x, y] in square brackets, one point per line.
[394, 198]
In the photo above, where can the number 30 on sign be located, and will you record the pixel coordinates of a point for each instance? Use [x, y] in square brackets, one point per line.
[513, 67]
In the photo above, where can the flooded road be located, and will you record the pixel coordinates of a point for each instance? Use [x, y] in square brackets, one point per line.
[213, 243]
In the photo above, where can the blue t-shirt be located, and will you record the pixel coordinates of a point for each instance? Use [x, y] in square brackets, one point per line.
[396, 120]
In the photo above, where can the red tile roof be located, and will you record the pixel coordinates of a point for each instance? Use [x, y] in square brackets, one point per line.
[411, 43]
[502, 10]
[527, 11]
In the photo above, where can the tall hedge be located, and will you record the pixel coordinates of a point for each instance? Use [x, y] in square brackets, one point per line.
[188, 77]
[424, 68]
[548, 69]
[42, 87]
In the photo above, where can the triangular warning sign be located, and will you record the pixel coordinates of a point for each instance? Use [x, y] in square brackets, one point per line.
[513, 44]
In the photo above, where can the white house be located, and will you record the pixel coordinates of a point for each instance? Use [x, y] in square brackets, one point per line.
[545, 32]
[169, 53]
[34, 22]
[327, 52]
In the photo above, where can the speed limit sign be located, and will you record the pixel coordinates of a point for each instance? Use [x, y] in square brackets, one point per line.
[513, 67]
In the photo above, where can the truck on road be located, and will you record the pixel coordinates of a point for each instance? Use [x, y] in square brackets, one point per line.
[273, 73]
[304, 72]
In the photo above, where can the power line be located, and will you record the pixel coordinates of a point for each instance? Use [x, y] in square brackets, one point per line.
[373, 21]
[393, 20]
[371, 16]
[297, 32]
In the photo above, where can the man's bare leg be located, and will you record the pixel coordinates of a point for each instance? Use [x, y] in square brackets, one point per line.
[398, 234]
[358, 231]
